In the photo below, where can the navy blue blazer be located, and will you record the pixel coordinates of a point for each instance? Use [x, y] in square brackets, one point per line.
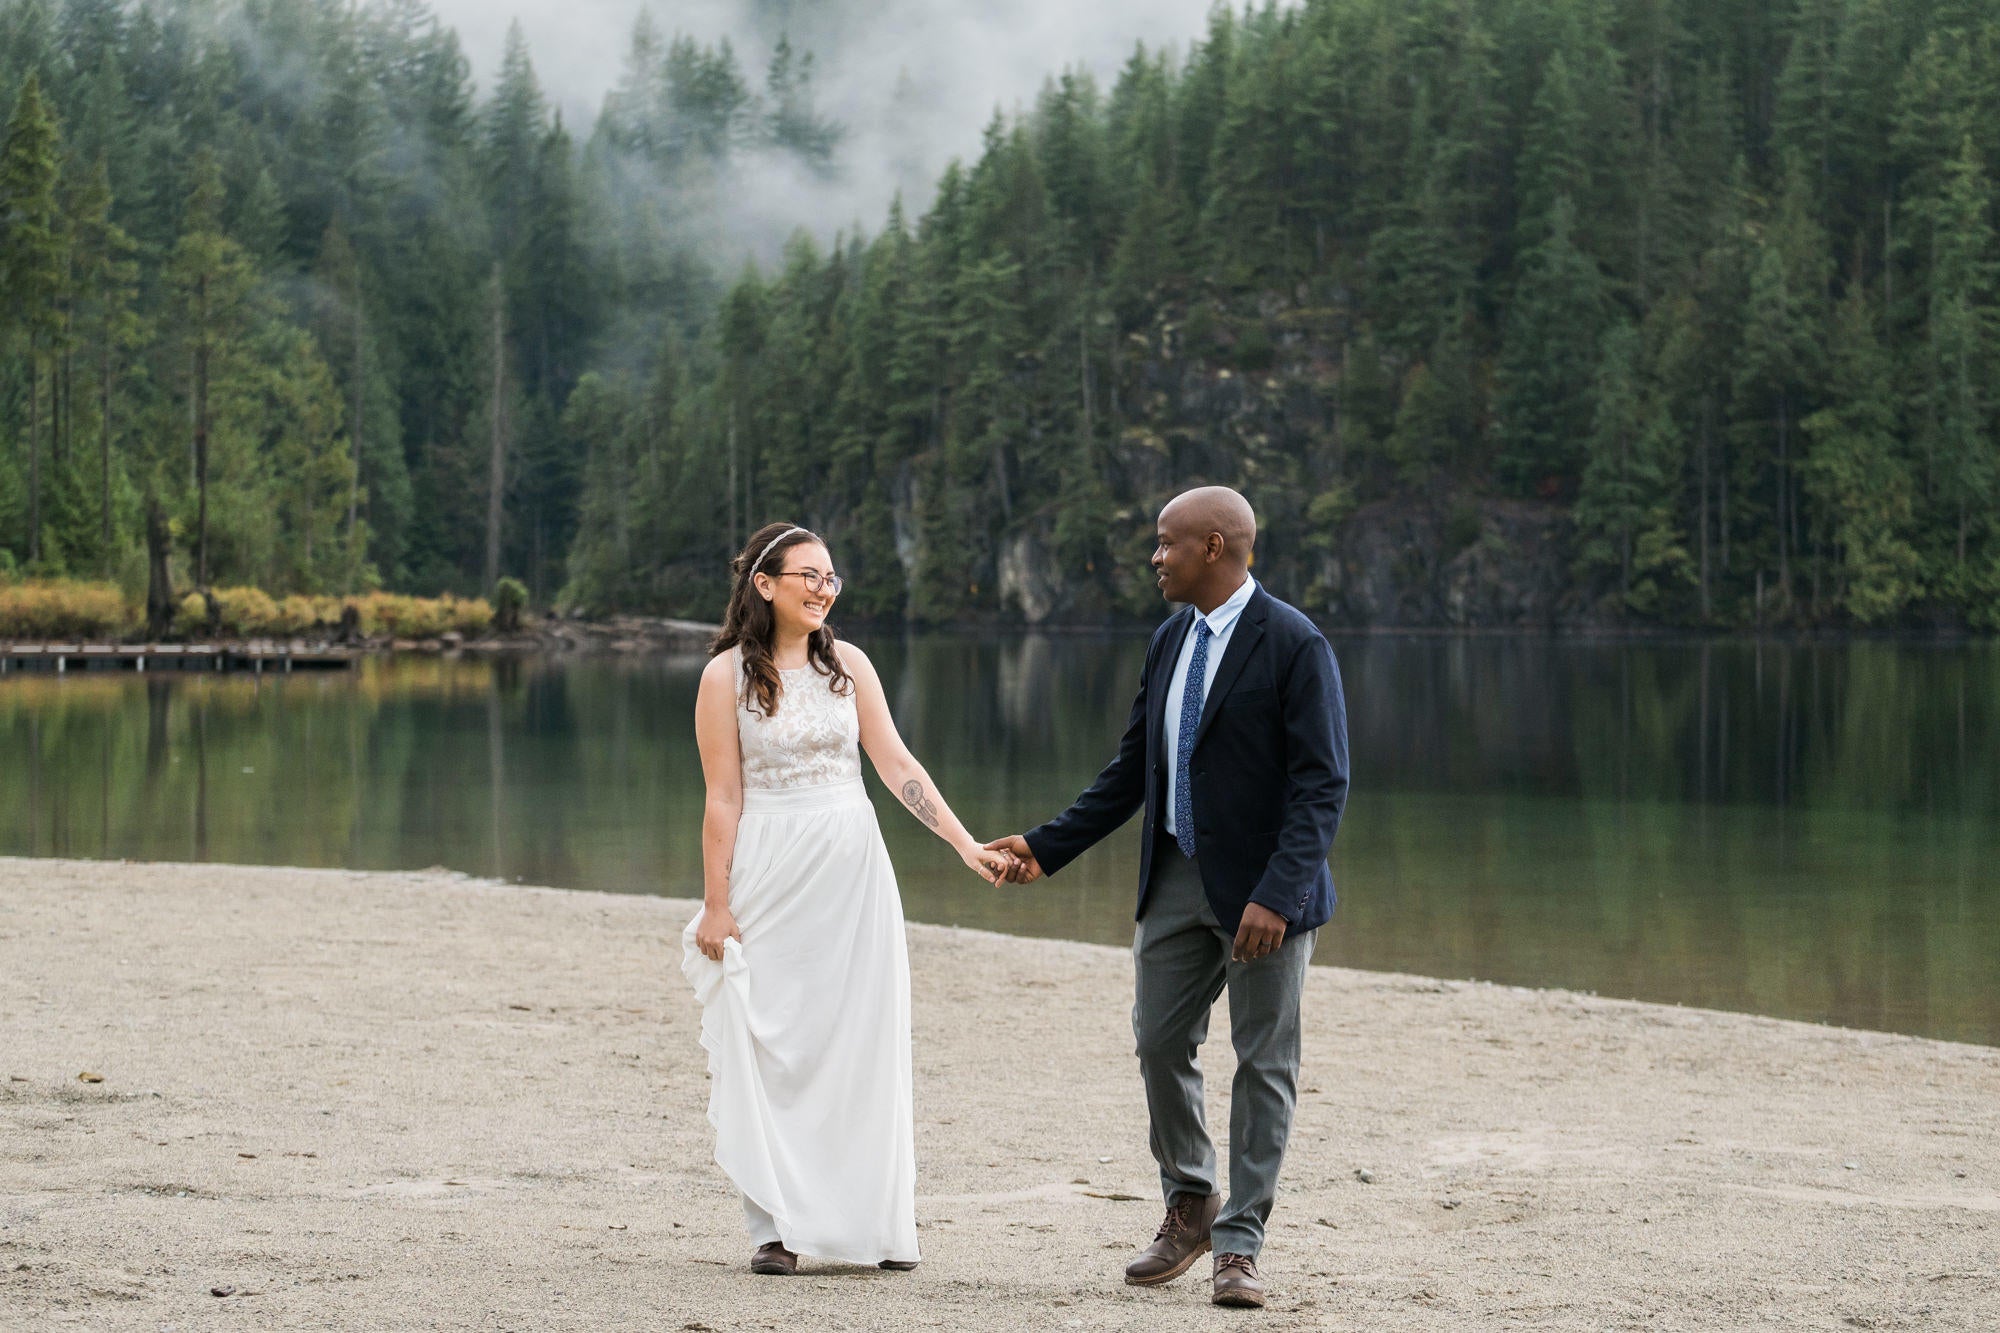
[1268, 773]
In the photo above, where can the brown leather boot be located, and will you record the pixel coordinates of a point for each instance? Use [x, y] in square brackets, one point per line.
[774, 1260]
[1181, 1239]
[1237, 1283]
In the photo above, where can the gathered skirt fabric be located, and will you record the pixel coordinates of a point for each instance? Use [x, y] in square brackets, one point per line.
[806, 1022]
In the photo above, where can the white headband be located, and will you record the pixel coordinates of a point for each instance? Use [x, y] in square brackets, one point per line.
[755, 564]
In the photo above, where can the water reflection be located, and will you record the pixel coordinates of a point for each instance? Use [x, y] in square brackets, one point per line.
[1806, 830]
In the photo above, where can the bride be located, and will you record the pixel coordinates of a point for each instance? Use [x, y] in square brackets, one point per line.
[797, 955]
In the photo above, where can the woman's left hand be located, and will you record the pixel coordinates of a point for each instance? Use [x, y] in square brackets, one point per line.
[990, 866]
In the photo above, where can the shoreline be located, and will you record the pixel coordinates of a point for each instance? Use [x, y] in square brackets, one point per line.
[374, 1100]
[642, 636]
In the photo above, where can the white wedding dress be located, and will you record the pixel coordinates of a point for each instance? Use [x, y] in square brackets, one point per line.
[806, 1021]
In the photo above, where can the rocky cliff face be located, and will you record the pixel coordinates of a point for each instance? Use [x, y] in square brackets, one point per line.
[1474, 565]
[1272, 402]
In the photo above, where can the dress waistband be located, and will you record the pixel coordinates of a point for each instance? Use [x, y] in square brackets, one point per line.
[788, 800]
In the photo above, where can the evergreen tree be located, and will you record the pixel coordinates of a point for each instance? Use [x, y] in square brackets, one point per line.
[1548, 359]
[1857, 477]
[1958, 361]
[1437, 426]
[1627, 515]
[516, 122]
[1419, 262]
[1782, 356]
[212, 282]
[791, 122]
[710, 108]
[32, 247]
[107, 277]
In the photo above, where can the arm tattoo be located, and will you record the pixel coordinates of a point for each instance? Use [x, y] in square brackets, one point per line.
[920, 805]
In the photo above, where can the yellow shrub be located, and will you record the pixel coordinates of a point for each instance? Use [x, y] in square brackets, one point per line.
[470, 615]
[247, 611]
[68, 609]
[63, 608]
[410, 617]
[405, 617]
[296, 614]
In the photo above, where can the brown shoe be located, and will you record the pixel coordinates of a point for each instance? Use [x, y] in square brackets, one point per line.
[898, 1265]
[774, 1260]
[1237, 1283]
[1181, 1239]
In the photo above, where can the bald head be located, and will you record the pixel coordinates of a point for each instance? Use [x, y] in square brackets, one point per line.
[1194, 514]
[1206, 537]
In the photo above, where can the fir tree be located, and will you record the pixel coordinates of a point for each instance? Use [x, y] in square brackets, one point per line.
[31, 263]
[1857, 477]
[1548, 360]
[1959, 360]
[1782, 356]
[212, 283]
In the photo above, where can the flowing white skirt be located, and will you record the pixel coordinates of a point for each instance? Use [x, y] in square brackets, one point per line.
[806, 1023]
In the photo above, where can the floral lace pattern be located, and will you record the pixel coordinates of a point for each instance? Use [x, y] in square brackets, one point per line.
[813, 740]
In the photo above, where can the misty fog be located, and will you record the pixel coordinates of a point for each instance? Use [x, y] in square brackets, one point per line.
[912, 81]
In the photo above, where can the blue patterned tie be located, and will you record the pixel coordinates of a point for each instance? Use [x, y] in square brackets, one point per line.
[1191, 701]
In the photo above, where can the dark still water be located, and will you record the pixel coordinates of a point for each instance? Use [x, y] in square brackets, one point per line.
[1804, 830]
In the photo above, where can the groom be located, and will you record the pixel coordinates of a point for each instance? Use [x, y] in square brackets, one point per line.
[1237, 751]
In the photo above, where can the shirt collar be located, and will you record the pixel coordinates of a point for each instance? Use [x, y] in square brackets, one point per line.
[1222, 617]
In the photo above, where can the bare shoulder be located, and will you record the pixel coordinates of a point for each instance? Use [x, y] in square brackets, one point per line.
[719, 676]
[856, 662]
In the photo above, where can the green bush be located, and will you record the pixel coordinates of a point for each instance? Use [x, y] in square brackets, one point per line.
[510, 598]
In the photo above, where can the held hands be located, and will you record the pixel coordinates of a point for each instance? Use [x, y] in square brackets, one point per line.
[1022, 866]
[715, 928]
[990, 865]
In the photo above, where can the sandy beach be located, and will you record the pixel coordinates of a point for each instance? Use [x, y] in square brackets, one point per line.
[421, 1101]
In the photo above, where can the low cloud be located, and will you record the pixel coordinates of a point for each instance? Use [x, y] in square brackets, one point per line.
[913, 81]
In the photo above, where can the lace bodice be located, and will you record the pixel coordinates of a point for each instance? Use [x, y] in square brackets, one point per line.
[813, 740]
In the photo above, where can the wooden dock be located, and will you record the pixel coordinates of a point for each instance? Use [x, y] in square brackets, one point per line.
[257, 656]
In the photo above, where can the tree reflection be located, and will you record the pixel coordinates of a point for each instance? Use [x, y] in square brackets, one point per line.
[1797, 828]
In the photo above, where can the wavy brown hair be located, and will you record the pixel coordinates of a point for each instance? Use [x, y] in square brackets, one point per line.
[750, 624]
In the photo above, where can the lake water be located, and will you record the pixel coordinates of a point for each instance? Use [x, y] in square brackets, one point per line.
[1807, 830]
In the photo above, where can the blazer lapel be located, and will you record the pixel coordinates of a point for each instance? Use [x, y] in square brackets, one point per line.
[1249, 629]
[1163, 677]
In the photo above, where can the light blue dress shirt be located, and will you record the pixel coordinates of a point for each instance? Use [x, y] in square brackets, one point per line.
[1221, 623]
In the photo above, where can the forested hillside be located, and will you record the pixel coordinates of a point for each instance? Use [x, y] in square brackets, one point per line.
[1501, 311]
[273, 265]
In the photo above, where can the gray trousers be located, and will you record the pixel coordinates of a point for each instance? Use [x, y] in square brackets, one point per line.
[1182, 958]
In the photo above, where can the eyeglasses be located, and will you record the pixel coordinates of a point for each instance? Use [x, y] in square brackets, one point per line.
[816, 581]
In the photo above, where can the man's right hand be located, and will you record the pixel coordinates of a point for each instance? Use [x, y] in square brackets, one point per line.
[1026, 869]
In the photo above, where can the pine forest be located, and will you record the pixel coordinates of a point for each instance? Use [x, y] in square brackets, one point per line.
[1502, 312]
